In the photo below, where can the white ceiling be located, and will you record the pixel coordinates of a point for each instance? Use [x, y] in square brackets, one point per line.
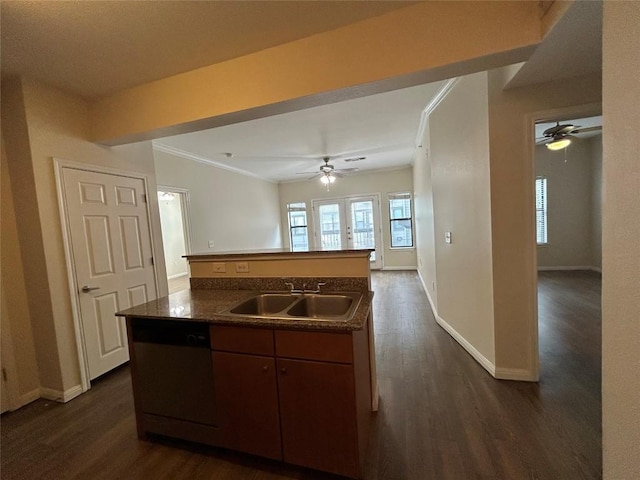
[573, 48]
[94, 48]
[98, 47]
[382, 127]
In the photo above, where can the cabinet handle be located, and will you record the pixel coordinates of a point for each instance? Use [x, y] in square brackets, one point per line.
[283, 370]
[265, 369]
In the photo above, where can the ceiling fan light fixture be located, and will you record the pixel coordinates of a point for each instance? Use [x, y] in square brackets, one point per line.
[558, 143]
[327, 178]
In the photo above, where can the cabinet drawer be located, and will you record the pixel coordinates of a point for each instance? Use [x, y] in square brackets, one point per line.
[327, 347]
[242, 340]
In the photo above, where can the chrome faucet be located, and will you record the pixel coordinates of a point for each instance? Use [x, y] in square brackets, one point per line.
[288, 282]
[292, 289]
[318, 288]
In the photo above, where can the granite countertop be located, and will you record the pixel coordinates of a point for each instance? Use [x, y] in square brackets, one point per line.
[274, 253]
[208, 306]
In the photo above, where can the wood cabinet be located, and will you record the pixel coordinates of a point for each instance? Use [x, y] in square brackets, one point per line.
[300, 396]
[246, 390]
[318, 402]
[247, 399]
[318, 416]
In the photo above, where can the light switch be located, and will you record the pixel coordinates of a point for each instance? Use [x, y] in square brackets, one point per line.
[242, 267]
[447, 237]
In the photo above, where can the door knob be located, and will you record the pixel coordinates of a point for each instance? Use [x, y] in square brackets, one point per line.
[87, 288]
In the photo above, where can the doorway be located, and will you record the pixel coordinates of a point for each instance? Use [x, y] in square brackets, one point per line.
[349, 223]
[173, 203]
[567, 187]
[109, 255]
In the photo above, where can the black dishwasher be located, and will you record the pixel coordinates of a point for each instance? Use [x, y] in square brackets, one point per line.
[174, 371]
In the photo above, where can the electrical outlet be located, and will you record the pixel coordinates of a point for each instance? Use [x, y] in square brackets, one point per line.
[211, 243]
[447, 237]
[219, 267]
[242, 267]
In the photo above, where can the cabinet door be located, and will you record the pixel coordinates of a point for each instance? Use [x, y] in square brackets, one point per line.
[318, 416]
[247, 397]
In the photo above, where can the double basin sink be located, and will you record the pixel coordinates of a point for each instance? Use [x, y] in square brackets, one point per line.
[309, 306]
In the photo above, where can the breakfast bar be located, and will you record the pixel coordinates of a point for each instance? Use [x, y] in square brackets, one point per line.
[268, 353]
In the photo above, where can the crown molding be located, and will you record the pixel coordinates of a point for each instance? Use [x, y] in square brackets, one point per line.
[161, 147]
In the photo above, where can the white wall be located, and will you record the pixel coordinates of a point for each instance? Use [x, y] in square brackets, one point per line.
[237, 212]
[572, 194]
[621, 244]
[382, 182]
[459, 167]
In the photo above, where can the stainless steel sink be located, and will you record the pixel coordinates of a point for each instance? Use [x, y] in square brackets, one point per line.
[319, 306]
[336, 306]
[264, 304]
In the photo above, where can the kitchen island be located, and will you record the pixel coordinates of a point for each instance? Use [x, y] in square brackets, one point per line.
[292, 388]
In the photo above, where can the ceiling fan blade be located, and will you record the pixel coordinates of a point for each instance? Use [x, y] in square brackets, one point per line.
[346, 170]
[588, 129]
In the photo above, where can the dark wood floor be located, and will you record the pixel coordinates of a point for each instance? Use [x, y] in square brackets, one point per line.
[441, 415]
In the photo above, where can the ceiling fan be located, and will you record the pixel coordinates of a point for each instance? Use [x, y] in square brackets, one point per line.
[328, 172]
[560, 136]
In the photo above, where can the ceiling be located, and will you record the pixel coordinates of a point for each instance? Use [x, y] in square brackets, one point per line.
[381, 127]
[94, 48]
[573, 48]
[99, 47]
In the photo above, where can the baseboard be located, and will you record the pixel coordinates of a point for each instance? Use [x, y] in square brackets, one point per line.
[515, 374]
[177, 275]
[426, 290]
[400, 268]
[60, 396]
[27, 398]
[568, 268]
[481, 359]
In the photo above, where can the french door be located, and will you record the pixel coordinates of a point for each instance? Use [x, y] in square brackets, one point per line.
[349, 223]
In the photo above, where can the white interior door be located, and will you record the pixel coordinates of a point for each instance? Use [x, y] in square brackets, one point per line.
[349, 223]
[112, 256]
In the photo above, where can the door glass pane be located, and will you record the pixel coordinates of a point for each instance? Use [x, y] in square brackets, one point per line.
[362, 235]
[330, 227]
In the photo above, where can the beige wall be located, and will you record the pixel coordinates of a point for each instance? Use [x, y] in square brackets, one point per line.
[596, 201]
[237, 212]
[423, 204]
[417, 44]
[16, 321]
[621, 244]
[572, 191]
[40, 123]
[511, 116]
[461, 205]
[382, 182]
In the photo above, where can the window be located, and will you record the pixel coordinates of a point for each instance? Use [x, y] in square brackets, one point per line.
[541, 210]
[297, 214]
[400, 219]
